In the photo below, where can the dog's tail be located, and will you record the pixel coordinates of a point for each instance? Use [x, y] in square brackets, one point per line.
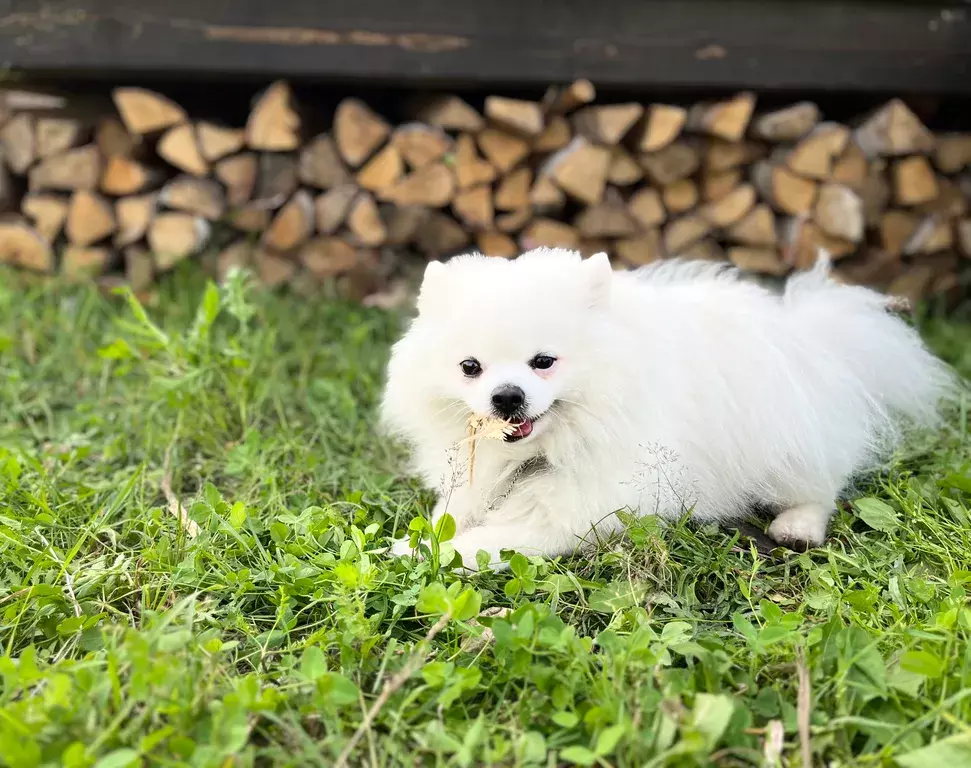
[882, 357]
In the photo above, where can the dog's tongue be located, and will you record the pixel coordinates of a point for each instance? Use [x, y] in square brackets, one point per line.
[523, 429]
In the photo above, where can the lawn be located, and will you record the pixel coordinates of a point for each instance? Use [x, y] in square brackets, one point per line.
[195, 508]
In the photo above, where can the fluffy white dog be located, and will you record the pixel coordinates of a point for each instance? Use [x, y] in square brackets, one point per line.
[679, 387]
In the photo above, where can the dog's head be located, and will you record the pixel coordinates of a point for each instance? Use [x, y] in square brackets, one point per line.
[510, 339]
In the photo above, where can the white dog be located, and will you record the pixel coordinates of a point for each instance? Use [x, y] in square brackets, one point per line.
[679, 387]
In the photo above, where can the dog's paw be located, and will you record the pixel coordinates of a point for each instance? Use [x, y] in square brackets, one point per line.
[801, 528]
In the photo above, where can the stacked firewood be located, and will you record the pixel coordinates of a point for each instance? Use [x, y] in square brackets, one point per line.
[140, 186]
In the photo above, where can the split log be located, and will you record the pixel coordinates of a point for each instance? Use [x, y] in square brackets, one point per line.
[403, 222]
[90, 218]
[365, 222]
[59, 134]
[474, 208]
[75, 169]
[662, 125]
[276, 180]
[176, 236]
[504, 150]
[237, 255]
[47, 213]
[641, 249]
[647, 208]
[950, 201]
[680, 197]
[512, 192]
[432, 186]
[731, 208]
[913, 284]
[783, 189]
[82, 261]
[933, 235]
[706, 249]
[839, 212]
[451, 114]
[562, 100]
[788, 124]
[251, 217]
[851, 168]
[124, 176]
[496, 244]
[273, 124]
[715, 185]
[382, 171]
[114, 140]
[896, 229]
[515, 115]
[514, 221]
[607, 124]
[331, 208]
[725, 155]
[963, 235]
[556, 135]
[470, 169]
[953, 152]
[21, 246]
[320, 165]
[133, 215]
[273, 269]
[548, 233]
[217, 141]
[146, 112]
[139, 268]
[764, 261]
[545, 197]
[293, 223]
[326, 257]
[875, 192]
[624, 170]
[180, 148]
[420, 145]
[874, 268]
[608, 218]
[802, 239]
[202, 197]
[18, 143]
[914, 181]
[358, 131]
[580, 170]
[238, 175]
[815, 156]
[893, 130]
[675, 162]
[757, 228]
[724, 119]
[684, 232]
[440, 235]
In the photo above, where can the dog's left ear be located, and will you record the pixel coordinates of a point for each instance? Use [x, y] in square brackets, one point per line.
[599, 275]
[433, 276]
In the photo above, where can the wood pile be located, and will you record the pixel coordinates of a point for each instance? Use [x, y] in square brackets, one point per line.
[129, 190]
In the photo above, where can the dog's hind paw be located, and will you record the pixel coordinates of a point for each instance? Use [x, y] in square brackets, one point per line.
[801, 527]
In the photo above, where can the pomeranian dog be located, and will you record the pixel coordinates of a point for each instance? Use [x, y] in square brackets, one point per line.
[678, 388]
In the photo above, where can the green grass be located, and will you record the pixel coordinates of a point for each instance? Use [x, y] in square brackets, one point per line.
[265, 638]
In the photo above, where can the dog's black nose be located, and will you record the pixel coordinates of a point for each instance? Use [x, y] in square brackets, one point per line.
[508, 399]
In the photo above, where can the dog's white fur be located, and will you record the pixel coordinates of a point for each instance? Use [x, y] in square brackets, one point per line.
[677, 387]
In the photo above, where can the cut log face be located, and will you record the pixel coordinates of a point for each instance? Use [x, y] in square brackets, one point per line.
[706, 249]
[545, 196]
[801, 241]
[556, 135]
[547, 233]
[133, 215]
[496, 244]
[139, 268]
[513, 221]
[332, 207]
[815, 156]
[217, 142]
[502, 149]
[561, 100]
[608, 124]
[47, 213]
[365, 222]
[731, 208]
[273, 124]
[179, 147]
[647, 208]
[725, 155]
[624, 170]
[964, 237]
[896, 229]
[451, 114]
[276, 180]
[786, 191]
[90, 218]
[681, 196]
[839, 212]
[114, 140]
[174, 237]
[662, 125]
[608, 218]
[146, 112]
[953, 152]
[252, 217]
[765, 261]
[320, 165]
[640, 250]
[512, 193]
[756, 228]
[21, 246]
[851, 168]
[440, 235]
[202, 197]
[580, 170]
[293, 223]
[715, 185]
[933, 235]
[358, 131]
[403, 222]
[474, 207]
[787, 124]
[326, 257]
[273, 269]
[725, 119]
[420, 145]
[58, 134]
[673, 163]
[431, 186]
[382, 171]
[893, 130]
[684, 232]
[18, 143]
[124, 176]
[470, 169]
[521, 117]
[914, 181]
[238, 175]
[79, 261]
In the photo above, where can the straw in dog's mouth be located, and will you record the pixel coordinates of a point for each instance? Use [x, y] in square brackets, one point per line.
[519, 431]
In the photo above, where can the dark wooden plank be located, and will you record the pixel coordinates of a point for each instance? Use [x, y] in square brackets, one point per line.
[855, 45]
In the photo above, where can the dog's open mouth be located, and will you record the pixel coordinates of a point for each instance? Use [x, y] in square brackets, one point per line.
[522, 429]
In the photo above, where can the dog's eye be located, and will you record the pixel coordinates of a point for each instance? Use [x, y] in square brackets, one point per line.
[542, 362]
[471, 367]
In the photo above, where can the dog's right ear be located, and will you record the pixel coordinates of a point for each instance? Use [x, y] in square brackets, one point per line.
[434, 273]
